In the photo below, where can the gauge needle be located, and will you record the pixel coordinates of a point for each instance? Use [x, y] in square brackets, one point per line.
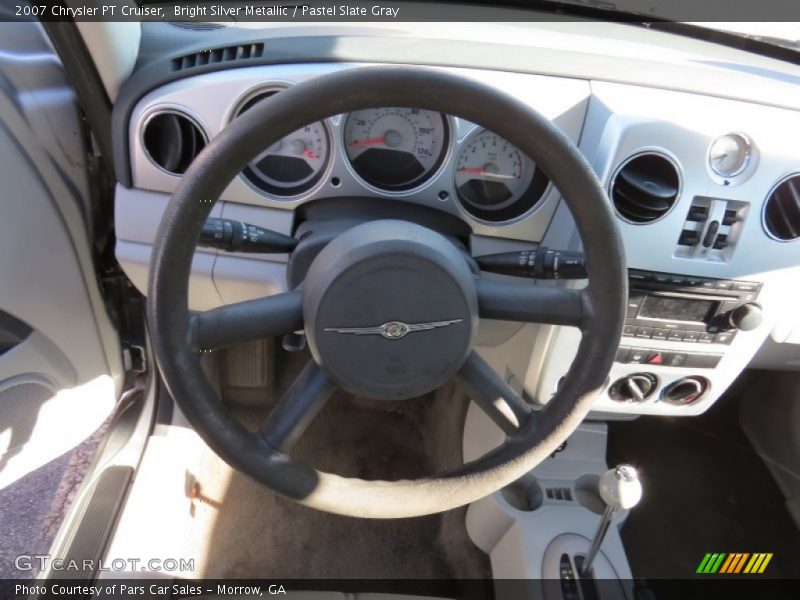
[485, 173]
[310, 154]
[369, 142]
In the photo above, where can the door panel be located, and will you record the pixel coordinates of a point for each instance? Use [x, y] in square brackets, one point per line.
[60, 362]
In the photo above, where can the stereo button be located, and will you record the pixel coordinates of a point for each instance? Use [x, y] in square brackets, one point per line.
[629, 331]
[660, 334]
[694, 281]
[724, 284]
[724, 338]
[676, 359]
[635, 275]
[660, 277]
[703, 361]
[644, 332]
[676, 336]
[746, 286]
[690, 336]
[706, 338]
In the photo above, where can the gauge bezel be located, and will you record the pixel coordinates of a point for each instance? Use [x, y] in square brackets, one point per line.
[528, 200]
[263, 187]
[429, 175]
[172, 109]
[763, 210]
[746, 161]
[648, 150]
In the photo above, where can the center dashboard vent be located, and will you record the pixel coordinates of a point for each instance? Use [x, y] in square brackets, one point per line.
[172, 141]
[782, 210]
[645, 188]
[218, 55]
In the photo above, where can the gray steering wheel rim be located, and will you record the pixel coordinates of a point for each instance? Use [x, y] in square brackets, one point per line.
[345, 91]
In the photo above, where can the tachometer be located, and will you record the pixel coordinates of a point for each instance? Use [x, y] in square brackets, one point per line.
[395, 148]
[494, 180]
[292, 165]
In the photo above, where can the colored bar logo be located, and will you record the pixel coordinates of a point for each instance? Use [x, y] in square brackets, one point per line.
[734, 563]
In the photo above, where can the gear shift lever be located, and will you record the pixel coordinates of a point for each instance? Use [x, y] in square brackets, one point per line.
[620, 489]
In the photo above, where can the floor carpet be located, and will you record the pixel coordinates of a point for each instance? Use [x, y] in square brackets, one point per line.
[705, 490]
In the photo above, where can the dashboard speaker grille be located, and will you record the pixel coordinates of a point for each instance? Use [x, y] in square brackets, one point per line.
[645, 188]
[172, 141]
[782, 210]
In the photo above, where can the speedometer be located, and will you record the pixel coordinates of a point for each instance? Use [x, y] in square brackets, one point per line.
[395, 148]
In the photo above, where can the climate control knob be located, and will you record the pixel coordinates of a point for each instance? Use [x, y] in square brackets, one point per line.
[637, 387]
[745, 317]
[685, 391]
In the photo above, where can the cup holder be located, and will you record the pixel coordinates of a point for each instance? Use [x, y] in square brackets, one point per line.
[525, 494]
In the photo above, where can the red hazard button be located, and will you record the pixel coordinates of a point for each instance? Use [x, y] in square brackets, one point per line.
[656, 359]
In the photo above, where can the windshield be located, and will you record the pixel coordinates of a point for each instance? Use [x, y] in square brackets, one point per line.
[784, 33]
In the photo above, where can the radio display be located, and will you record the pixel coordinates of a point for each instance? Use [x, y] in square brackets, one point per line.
[673, 308]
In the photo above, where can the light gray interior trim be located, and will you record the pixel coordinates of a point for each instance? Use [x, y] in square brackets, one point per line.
[48, 270]
[114, 48]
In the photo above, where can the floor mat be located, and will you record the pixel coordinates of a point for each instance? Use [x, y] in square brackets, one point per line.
[705, 490]
[260, 534]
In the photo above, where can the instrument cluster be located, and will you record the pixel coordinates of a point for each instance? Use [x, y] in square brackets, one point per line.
[399, 149]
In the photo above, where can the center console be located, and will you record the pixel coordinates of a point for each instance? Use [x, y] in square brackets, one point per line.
[678, 331]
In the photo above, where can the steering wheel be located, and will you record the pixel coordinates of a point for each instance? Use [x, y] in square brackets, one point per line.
[390, 308]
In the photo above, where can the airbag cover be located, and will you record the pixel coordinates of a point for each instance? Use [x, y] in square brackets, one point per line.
[390, 309]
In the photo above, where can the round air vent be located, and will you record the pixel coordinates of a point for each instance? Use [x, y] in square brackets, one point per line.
[172, 141]
[645, 188]
[782, 210]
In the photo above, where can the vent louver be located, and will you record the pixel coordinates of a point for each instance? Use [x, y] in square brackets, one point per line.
[197, 25]
[645, 188]
[782, 211]
[172, 141]
[218, 55]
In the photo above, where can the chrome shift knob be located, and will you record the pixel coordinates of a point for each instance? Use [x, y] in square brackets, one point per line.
[620, 487]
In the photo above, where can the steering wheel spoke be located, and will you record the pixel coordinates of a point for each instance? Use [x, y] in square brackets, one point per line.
[248, 320]
[526, 302]
[297, 408]
[495, 397]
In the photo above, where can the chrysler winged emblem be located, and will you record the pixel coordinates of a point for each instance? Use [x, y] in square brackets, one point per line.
[394, 330]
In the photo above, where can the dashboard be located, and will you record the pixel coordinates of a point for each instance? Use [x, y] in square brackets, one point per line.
[706, 188]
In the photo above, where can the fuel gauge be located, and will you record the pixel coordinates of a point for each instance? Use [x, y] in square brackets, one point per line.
[494, 179]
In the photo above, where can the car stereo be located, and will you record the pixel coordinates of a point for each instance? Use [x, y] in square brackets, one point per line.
[684, 308]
